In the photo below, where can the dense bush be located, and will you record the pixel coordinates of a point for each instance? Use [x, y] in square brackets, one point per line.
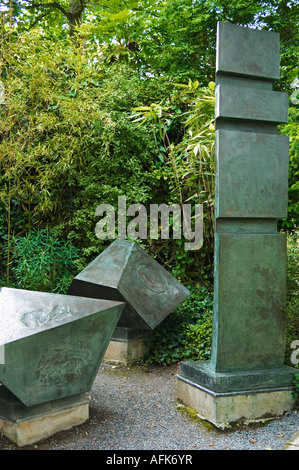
[67, 143]
[292, 306]
[185, 333]
[43, 262]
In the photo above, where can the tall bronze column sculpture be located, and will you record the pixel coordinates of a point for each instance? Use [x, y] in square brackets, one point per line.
[245, 378]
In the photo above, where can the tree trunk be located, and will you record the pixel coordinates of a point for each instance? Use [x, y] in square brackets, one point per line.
[75, 15]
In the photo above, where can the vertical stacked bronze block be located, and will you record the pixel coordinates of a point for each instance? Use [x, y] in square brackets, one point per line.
[248, 340]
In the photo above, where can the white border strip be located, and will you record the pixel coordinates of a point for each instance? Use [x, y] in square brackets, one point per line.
[2, 354]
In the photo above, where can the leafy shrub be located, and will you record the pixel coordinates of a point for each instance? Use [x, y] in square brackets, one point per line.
[296, 383]
[292, 305]
[67, 142]
[185, 333]
[291, 129]
[41, 261]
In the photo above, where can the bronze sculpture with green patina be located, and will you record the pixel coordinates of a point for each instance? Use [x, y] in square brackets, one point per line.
[251, 191]
[54, 344]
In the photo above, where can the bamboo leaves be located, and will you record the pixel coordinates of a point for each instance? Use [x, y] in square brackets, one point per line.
[188, 166]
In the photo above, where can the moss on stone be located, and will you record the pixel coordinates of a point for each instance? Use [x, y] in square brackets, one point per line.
[191, 414]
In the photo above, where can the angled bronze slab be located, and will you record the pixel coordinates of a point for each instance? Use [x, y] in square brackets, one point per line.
[248, 103]
[125, 272]
[252, 174]
[247, 52]
[54, 344]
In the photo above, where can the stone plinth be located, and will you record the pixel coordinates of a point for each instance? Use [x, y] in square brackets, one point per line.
[28, 425]
[225, 410]
[128, 345]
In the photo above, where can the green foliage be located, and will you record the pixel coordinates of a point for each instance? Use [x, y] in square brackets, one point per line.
[292, 131]
[169, 38]
[118, 163]
[46, 124]
[184, 169]
[185, 333]
[67, 145]
[43, 262]
[296, 383]
[292, 306]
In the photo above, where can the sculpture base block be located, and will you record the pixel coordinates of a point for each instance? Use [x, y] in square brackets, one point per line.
[227, 406]
[27, 425]
[127, 345]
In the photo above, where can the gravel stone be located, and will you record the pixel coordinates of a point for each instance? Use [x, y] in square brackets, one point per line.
[136, 408]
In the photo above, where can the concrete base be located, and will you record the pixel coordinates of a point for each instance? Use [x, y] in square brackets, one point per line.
[226, 409]
[126, 352]
[127, 345]
[27, 425]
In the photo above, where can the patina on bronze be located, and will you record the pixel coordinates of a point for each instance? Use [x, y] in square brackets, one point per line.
[54, 344]
[251, 181]
[125, 272]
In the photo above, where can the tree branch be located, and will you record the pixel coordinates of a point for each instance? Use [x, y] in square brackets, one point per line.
[89, 2]
[40, 17]
[49, 5]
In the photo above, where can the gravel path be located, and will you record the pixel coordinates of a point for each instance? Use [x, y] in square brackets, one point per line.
[135, 408]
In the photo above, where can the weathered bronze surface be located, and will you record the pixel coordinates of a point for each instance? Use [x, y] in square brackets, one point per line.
[125, 272]
[248, 381]
[250, 103]
[252, 175]
[247, 52]
[250, 289]
[54, 344]
[251, 185]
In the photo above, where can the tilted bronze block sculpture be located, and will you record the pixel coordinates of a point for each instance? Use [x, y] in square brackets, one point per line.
[53, 346]
[125, 272]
